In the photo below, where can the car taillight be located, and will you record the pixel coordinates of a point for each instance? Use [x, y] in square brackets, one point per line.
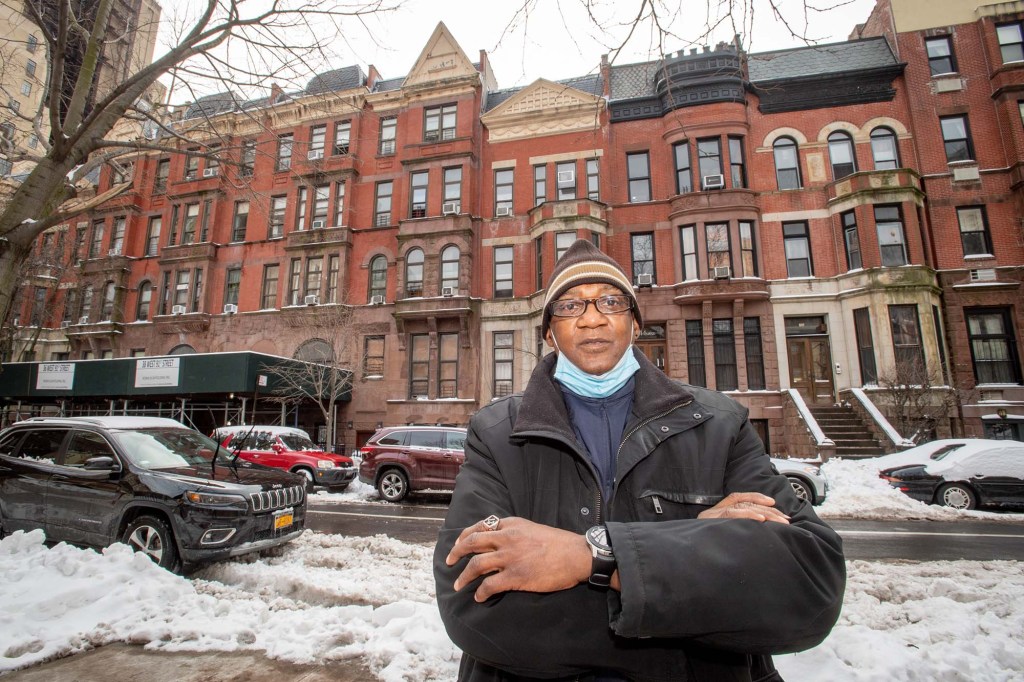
[891, 479]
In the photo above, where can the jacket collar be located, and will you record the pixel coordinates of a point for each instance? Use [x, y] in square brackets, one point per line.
[543, 409]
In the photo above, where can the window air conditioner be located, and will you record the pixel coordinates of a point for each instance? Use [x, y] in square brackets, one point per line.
[312, 299]
[315, 154]
[448, 291]
[503, 211]
[377, 300]
[566, 176]
[84, 319]
[114, 252]
[713, 181]
[721, 272]
[230, 308]
[645, 280]
[319, 224]
[65, 324]
[450, 208]
[177, 310]
[209, 172]
[983, 275]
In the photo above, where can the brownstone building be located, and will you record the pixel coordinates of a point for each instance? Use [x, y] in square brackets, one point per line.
[806, 228]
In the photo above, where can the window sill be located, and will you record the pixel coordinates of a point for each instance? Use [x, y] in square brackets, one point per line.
[979, 256]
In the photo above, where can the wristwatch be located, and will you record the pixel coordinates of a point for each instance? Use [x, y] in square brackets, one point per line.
[604, 559]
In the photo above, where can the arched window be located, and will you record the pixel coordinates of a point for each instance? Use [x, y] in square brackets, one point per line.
[840, 152]
[145, 299]
[450, 268]
[109, 291]
[884, 149]
[314, 350]
[378, 277]
[787, 163]
[182, 349]
[414, 273]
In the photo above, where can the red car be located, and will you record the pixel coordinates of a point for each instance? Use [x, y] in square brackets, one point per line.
[291, 449]
[398, 460]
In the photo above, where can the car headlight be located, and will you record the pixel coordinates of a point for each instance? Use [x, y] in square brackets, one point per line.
[325, 464]
[813, 470]
[216, 500]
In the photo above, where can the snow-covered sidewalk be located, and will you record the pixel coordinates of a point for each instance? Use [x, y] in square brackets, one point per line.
[330, 597]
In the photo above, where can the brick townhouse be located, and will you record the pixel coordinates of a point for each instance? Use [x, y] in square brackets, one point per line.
[804, 226]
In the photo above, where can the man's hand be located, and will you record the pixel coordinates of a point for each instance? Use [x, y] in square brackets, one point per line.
[753, 506]
[520, 555]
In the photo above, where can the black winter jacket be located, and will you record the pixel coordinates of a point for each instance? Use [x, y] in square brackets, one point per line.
[700, 600]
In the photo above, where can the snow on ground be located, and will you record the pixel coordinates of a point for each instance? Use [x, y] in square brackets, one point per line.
[328, 597]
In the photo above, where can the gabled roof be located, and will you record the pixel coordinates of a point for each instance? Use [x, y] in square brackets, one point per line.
[821, 60]
[441, 59]
[592, 85]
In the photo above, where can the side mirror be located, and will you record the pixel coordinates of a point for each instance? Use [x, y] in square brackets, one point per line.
[103, 463]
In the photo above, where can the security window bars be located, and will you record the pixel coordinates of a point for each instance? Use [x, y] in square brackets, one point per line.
[851, 240]
[940, 55]
[638, 168]
[503, 356]
[974, 235]
[726, 378]
[695, 353]
[439, 123]
[754, 353]
[684, 178]
[993, 346]
[503, 271]
[956, 138]
[891, 241]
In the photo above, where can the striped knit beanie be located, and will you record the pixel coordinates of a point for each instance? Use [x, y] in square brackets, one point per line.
[583, 263]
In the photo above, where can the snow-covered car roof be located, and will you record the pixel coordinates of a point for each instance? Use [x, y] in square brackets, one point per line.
[289, 430]
[925, 453]
[113, 422]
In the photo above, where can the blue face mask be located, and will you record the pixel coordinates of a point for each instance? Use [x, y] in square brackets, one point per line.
[595, 385]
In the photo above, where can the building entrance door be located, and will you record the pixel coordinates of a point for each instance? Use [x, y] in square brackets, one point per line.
[652, 344]
[810, 360]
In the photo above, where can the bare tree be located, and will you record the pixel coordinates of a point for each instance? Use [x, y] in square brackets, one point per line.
[324, 375]
[919, 401]
[237, 43]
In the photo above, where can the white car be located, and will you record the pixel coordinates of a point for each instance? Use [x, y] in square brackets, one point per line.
[935, 450]
[805, 477]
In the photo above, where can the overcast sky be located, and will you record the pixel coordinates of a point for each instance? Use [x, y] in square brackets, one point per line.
[541, 44]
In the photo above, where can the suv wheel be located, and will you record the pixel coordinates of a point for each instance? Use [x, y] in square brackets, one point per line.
[393, 485]
[153, 537]
[308, 475]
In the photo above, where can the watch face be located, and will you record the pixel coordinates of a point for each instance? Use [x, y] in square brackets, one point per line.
[598, 536]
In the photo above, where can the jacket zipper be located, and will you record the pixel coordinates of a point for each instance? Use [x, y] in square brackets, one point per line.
[645, 422]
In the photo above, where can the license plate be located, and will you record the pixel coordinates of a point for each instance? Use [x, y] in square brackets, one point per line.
[283, 521]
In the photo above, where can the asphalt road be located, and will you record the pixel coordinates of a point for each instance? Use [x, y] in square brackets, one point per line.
[419, 520]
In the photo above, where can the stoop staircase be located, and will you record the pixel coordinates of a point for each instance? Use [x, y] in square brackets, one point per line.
[853, 438]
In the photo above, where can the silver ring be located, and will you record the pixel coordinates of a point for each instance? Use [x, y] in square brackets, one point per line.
[491, 522]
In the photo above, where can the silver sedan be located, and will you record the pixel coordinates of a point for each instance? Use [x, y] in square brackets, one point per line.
[805, 477]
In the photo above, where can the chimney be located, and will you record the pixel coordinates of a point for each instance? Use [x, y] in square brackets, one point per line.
[275, 92]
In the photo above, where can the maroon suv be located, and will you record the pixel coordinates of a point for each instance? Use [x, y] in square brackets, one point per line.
[398, 460]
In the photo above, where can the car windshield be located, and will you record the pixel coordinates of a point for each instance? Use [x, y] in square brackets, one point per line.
[294, 441]
[166, 448]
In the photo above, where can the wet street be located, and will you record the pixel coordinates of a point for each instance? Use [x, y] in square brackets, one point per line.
[418, 520]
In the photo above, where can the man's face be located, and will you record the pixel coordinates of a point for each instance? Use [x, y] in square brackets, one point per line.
[594, 341]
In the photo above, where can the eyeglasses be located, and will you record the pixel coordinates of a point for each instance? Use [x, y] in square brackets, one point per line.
[576, 307]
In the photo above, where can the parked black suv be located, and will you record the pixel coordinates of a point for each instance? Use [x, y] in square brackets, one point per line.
[151, 483]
